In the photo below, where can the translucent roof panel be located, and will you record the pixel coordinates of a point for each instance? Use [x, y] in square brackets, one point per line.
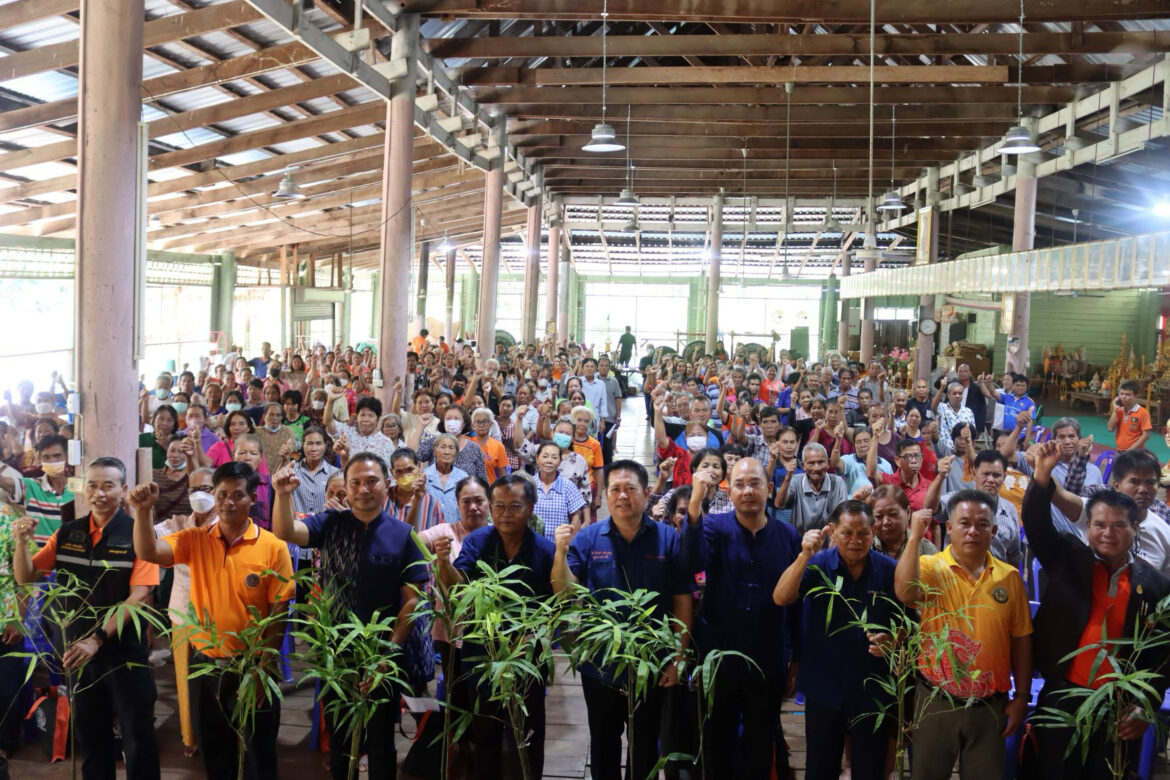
[241, 158]
[48, 86]
[189, 138]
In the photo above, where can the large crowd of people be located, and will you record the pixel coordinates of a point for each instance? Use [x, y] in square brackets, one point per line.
[783, 500]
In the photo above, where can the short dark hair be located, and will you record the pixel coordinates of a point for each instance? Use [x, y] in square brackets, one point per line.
[865, 391]
[254, 382]
[227, 422]
[52, 422]
[1131, 386]
[1134, 460]
[990, 456]
[587, 361]
[467, 482]
[766, 411]
[166, 409]
[236, 469]
[292, 395]
[52, 440]
[371, 403]
[852, 507]
[1067, 422]
[324, 436]
[367, 457]
[1114, 498]
[108, 462]
[633, 466]
[906, 444]
[957, 430]
[511, 480]
[970, 494]
[697, 458]
[404, 452]
[466, 415]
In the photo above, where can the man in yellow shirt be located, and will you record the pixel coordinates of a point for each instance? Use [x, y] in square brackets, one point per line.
[975, 609]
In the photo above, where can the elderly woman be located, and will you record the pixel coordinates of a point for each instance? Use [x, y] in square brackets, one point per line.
[391, 427]
[443, 475]
[469, 457]
[585, 445]
[891, 522]
[558, 502]
[494, 455]
[277, 439]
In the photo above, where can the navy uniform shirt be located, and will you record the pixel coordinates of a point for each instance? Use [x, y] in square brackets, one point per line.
[367, 564]
[836, 666]
[604, 562]
[743, 568]
[535, 555]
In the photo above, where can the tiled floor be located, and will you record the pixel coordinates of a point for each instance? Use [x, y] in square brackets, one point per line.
[567, 738]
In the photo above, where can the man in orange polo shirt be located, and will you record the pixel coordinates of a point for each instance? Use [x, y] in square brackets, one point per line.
[975, 609]
[235, 566]
[1129, 419]
[94, 555]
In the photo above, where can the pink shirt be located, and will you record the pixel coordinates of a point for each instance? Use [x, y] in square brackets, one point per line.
[456, 533]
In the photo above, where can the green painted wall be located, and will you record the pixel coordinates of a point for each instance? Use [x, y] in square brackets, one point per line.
[1095, 322]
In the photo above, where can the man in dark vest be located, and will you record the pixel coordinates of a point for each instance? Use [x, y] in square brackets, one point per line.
[94, 555]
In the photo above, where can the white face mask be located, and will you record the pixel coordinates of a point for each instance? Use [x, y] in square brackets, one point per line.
[696, 443]
[44, 407]
[180, 466]
[201, 502]
[318, 405]
[542, 382]
[454, 425]
[272, 428]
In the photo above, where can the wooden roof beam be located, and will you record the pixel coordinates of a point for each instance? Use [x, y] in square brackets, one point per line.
[846, 74]
[807, 95]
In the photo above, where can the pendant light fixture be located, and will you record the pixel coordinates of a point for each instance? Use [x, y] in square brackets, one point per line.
[604, 137]
[892, 201]
[784, 274]
[1019, 139]
[288, 189]
[831, 223]
[445, 245]
[627, 197]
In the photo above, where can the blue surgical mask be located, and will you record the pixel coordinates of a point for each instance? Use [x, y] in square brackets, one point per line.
[179, 406]
[233, 407]
[162, 392]
[562, 440]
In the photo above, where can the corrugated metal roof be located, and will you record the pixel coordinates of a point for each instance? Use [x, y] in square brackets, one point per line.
[46, 32]
[250, 123]
[47, 86]
[188, 138]
[30, 137]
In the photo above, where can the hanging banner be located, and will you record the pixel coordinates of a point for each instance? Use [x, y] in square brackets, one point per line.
[1007, 314]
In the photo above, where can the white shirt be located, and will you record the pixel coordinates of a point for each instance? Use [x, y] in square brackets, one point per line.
[1153, 542]
[597, 394]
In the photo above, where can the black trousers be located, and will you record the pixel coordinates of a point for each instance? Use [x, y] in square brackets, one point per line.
[212, 699]
[490, 730]
[377, 742]
[12, 671]
[1053, 741]
[606, 707]
[741, 730]
[825, 728]
[123, 685]
[606, 442]
[649, 406]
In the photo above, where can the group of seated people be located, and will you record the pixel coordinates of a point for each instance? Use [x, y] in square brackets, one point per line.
[771, 500]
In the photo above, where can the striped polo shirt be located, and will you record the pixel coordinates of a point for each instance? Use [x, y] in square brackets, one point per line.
[42, 504]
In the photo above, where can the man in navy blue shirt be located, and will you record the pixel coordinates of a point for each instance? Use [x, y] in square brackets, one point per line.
[372, 564]
[839, 662]
[743, 553]
[508, 542]
[627, 552]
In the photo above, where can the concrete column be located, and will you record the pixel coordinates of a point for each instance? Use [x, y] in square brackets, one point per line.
[346, 314]
[424, 266]
[564, 282]
[828, 338]
[531, 274]
[712, 330]
[109, 106]
[493, 200]
[924, 354]
[552, 288]
[843, 329]
[223, 285]
[869, 258]
[397, 216]
[449, 314]
[1023, 238]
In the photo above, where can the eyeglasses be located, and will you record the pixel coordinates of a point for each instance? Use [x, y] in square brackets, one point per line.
[500, 509]
[911, 456]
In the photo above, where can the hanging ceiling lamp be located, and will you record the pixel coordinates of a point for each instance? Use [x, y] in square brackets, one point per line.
[445, 245]
[892, 201]
[604, 137]
[1019, 139]
[831, 223]
[288, 189]
[627, 197]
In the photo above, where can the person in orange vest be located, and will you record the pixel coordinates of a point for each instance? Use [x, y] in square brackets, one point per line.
[419, 342]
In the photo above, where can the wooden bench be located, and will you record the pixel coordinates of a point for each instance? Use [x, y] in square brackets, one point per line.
[1100, 403]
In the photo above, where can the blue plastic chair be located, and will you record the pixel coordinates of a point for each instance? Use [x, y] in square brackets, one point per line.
[1150, 746]
[1106, 458]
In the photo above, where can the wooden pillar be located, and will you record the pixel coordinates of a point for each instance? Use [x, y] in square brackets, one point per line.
[531, 274]
[869, 258]
[843, 329]
[564, 294]
[1023, 239]
[397, 219]
[489, 276]
[449, 314]
[108, 254]
[424, 263]
[712, 330]
[924, 354]
[552, 290]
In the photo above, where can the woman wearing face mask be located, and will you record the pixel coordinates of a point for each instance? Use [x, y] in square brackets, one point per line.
[558, 502]
[409, 500]
[891, 522]
[709, 461]
[236, 424]
[695, 437]
[165, 423]
[249, 450]
[276, 438]
[443, 475]
[172, 478]
[233, 401]
[585, 445]
[180, 402]
[316, 408]
[544, 390]
[201, 514]
[469, 458]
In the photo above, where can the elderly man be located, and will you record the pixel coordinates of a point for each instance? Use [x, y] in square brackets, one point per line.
[975, 610]
[627, 551]
[950, 413]
[812, 494]
[107, 657]
[990, 471]
[1097, 591]
[921, 401]
[372, 564]
[743, 553]
[613, 419]
[508, 541]
[908, 474]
